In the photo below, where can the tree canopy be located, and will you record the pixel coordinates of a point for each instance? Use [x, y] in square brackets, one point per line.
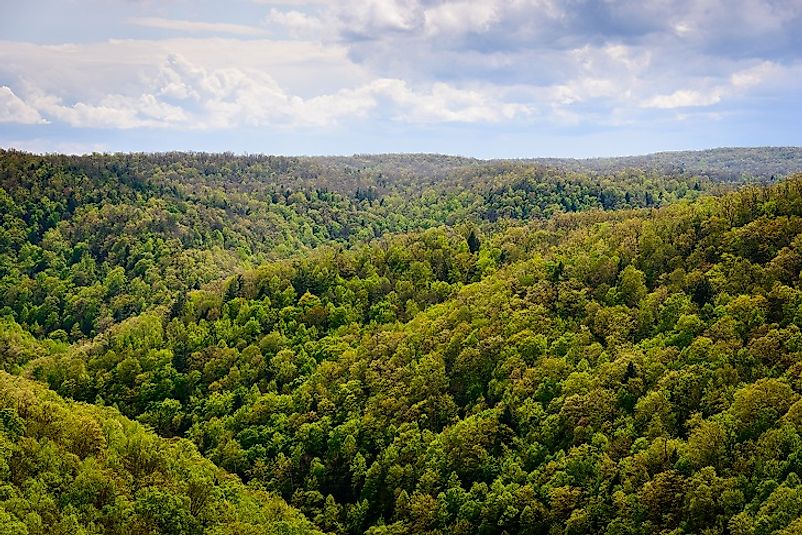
[220, 344]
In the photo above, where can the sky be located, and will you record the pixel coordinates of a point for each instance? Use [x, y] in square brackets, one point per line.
[489, 78]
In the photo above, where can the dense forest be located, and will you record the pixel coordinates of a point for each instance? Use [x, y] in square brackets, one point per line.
[210, 343]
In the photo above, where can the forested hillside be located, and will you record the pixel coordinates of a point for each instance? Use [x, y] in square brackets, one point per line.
[760, 163]
[88, 241]
[68, 468]
[399, 344]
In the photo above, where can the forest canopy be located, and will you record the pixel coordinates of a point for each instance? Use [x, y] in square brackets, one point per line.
[210, 343]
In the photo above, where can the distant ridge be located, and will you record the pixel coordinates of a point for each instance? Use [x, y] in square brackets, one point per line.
[725, 163]
[721, 163]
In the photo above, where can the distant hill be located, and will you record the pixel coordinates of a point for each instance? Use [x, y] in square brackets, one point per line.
[762, 163]
[729, 164]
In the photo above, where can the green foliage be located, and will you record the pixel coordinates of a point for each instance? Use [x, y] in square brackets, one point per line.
[89, 241]
[398, 345]
[70, 468]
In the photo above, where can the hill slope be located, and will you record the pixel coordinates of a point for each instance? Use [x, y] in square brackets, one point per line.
[623, 371]
[77, 230]
[760, 163]
[70, 468]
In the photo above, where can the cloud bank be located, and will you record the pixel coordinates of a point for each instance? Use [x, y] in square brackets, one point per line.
[308, 64]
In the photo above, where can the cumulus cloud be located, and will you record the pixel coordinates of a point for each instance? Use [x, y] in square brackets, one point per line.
[444, 103]
[297, 23]
[531, 41]
[91, 70]
[15, 110]
[188, 95]
[416, 61]
[113, 111]
[231, 97]
[509, 24]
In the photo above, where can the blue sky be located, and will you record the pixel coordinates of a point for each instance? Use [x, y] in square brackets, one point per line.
[490, 78]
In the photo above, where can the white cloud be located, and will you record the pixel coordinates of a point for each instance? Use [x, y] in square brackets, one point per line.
[196, 26]
[757, 75]
[113, 111]
[390, 19]
[233, 97]
[95, 69]
[15, 110]
[583, 89]
[684, 98]
[186, 95]
[297, 23]
[413, 61]
[444, 103]
[369, 17]
[460, 17]
[743, 81]
[43, 146]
